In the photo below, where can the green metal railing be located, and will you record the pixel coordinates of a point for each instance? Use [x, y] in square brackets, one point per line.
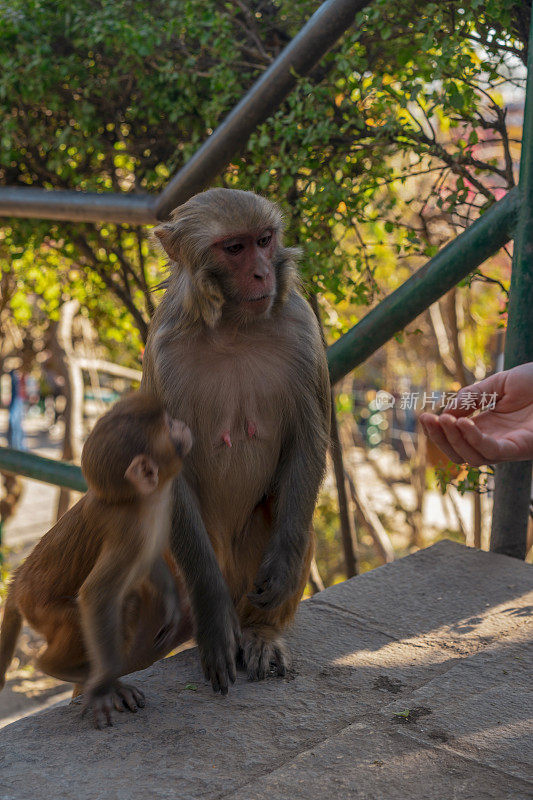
[510, 218]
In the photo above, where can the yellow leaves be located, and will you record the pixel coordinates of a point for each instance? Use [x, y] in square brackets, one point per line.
[371, 122]
[341, 208]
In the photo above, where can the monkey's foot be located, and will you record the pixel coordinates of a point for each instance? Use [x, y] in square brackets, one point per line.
[262, 656]
[127, 697]
[121, 696]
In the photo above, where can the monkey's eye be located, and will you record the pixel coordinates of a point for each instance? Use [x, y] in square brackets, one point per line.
[233, 248]
[265, 240]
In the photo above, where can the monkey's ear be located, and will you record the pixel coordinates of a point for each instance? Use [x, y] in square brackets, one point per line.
[143, 474]
[167, 236]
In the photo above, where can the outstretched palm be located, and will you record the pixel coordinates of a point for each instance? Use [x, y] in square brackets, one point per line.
[503, 433]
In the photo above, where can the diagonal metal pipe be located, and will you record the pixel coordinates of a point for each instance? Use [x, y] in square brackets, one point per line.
[322, 30]
[317, 36]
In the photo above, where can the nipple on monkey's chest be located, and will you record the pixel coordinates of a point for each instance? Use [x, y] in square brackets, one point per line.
[235, 433]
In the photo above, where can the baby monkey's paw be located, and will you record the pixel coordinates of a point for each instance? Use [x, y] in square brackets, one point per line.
[101, 700]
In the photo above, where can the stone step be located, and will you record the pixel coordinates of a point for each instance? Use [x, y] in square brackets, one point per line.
[409, 681]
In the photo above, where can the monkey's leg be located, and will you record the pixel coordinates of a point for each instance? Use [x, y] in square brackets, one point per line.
[144, 618]
[64, 656]
[64, 659]
[263, 649]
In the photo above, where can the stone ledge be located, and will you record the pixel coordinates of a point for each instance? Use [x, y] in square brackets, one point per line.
[441, 635]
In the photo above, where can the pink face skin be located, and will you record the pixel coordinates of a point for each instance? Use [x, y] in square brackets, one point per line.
[247, 259]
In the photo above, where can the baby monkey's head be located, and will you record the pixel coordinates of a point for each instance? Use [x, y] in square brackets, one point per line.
[134, 449]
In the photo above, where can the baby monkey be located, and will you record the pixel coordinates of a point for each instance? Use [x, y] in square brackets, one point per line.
[101, 585]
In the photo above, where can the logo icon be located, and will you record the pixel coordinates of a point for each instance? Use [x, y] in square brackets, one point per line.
[384, 400]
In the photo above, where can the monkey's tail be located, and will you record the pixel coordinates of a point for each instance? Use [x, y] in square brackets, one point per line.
[9, 633]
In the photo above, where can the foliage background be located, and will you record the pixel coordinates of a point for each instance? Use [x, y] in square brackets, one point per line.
[407, 130]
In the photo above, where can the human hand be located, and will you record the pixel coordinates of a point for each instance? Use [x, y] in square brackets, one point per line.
[503, 433]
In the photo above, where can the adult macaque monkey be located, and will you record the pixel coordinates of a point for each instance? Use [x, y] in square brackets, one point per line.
[235, 351]
[99, 586]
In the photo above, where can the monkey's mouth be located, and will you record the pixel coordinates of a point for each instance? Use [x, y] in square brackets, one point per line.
[259, 305]
[258, 299]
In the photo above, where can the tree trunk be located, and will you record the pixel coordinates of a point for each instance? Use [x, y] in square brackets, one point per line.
[315, 581]
[419, 485]
[65, 363]
[463, 375]
[349, 541]
[450, 494]
[477, 517]
[373, 524]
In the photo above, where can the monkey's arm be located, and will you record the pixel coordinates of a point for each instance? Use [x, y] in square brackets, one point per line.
[295, 489]
[297, 481]
[101, 599]
[217, 627]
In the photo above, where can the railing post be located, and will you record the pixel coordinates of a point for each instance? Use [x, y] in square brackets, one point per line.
[513, 480]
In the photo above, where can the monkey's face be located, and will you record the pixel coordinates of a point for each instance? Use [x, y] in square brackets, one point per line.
[244, 266]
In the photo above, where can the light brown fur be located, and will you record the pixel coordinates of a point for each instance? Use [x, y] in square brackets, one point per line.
[235, 371]
[96, 586]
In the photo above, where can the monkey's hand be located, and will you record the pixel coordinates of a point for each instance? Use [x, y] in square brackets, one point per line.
[274, 583]
[103, 696]
[218, 636]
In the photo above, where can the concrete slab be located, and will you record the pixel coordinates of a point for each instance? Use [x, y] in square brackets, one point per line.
[370, 762]
[464, 607]
[366, 652]
[482, 708]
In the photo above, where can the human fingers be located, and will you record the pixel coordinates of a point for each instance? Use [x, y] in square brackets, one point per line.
[467, 453]
[434, 431]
